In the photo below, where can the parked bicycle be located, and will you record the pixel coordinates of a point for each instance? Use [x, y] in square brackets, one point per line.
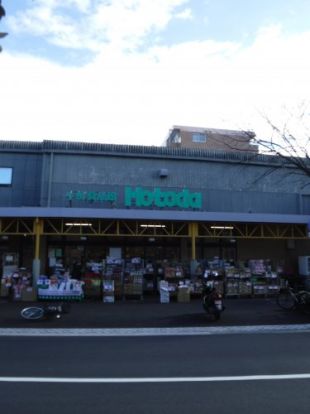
[290, 298]
[45, 311]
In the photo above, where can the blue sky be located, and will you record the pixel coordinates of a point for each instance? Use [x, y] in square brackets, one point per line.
[125, 71]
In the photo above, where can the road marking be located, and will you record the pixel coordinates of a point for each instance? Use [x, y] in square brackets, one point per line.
[155, 379]
[193, 331]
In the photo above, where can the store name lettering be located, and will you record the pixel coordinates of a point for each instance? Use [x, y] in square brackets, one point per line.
[100, 196]
[140, 197]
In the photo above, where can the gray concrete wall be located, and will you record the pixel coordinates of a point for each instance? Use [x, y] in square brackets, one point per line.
[231, 187]
[26, 182]
[44, 178]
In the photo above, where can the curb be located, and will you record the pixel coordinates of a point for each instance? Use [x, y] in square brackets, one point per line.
[126, 332]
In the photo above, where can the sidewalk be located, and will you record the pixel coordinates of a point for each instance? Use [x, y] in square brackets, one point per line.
[152, 314]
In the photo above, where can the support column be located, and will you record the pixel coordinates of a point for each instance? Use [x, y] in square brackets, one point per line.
[36, 265]
[193, 231]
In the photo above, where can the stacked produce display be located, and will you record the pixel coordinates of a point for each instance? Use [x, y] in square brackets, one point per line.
[113, 279]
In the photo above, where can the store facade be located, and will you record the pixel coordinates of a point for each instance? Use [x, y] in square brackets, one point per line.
[136, 213]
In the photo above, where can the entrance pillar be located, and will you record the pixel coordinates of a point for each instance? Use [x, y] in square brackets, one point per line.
[193, 232]
[36, 265]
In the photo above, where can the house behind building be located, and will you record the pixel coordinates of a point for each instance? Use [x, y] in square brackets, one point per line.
[211, 139]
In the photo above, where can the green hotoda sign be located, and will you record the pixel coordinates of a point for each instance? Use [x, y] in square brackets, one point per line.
[140, 197]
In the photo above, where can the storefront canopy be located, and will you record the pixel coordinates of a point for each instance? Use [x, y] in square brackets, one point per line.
[140, 214]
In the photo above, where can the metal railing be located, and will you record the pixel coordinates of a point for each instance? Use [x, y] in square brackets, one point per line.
[139, 151]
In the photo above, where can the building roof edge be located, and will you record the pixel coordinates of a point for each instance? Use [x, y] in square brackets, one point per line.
[132, 214]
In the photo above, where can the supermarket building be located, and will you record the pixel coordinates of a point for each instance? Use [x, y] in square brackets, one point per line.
[72, 203]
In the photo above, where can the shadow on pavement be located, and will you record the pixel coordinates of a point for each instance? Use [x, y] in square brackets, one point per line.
[131, 314]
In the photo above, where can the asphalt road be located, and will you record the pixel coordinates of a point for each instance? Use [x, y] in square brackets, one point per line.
[217, 373]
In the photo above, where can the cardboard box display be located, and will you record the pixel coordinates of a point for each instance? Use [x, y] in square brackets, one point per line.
[29, 294]
[169, 272]
[4, 291]
[164, 293]
[109, 299]
[164, 297]
[183, 294]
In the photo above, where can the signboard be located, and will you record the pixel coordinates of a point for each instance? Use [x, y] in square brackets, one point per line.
[91, 196]
[141, 197]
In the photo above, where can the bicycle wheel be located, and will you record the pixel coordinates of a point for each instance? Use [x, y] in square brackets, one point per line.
[286, 300]
[304, 302]
[32, 313]
[65, 307]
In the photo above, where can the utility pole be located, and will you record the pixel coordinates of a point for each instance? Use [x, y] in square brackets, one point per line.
[2, 14]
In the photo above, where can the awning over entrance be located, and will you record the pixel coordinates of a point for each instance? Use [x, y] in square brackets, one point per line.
[149, 223]
[141, 214]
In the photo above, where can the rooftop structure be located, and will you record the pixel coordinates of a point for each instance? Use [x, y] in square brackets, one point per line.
[211, 139]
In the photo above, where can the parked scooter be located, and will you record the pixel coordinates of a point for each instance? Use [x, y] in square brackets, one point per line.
[212, 300]
[45, 311]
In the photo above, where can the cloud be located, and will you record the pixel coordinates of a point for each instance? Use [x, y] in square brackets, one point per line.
[185, 14]
[92, 24]
[135, 97]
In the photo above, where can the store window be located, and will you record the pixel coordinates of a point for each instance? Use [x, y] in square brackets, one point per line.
[199, 137]
[6, 176]
[177, 139]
